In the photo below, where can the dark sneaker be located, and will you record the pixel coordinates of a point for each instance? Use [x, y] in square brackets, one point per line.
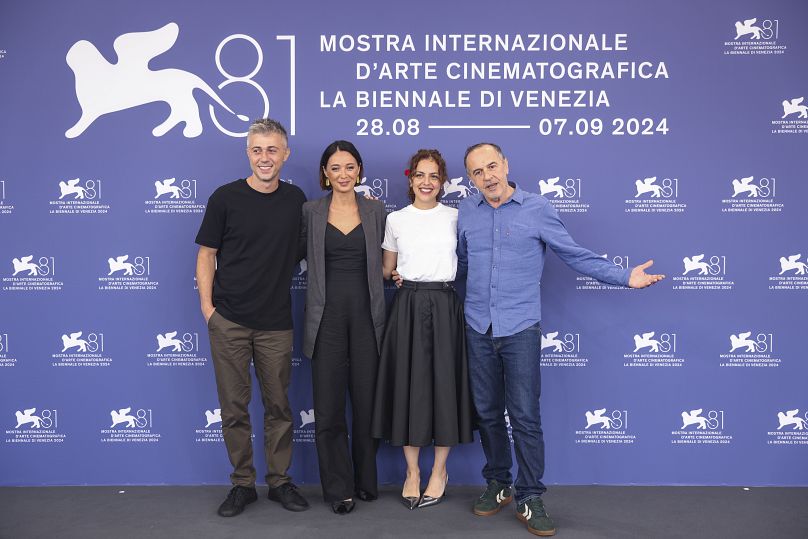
[493, 499]
[533, 514]
[289, 497]
[237, 500]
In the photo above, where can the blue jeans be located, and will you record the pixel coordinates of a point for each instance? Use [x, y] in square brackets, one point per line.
[504, 373]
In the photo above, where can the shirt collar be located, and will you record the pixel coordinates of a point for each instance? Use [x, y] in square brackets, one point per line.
[518, 195]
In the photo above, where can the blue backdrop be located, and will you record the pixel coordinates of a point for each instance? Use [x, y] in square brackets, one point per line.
[676, 133]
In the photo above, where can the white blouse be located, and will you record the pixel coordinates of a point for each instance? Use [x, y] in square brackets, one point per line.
[426, 242]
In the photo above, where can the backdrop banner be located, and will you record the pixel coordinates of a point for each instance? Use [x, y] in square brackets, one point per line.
[677, 134]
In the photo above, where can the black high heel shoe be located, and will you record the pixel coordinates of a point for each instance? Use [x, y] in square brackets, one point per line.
[342, 507]
[428, 501]
[411, 502]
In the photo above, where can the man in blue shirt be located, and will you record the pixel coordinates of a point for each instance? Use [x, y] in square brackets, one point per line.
[503, 234]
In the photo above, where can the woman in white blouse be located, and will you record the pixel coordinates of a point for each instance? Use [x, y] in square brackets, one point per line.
[422, 394]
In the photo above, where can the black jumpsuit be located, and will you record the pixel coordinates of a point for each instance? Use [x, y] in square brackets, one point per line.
[345, 358]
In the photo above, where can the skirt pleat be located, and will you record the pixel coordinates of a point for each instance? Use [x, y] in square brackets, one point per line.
[422, 392]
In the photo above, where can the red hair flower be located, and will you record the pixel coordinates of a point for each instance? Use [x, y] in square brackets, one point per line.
[407, 172]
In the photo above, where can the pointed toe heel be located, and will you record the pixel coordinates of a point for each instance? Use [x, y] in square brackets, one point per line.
[428, 501]
[411, 502]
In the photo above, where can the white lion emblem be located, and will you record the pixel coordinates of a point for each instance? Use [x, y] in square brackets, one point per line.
[102, 87]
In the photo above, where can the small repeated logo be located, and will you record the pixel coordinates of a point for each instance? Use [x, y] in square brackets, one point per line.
[701, 427]
[747, 27]
[174, 197]
[745, 186]
[655, 195]
[24, 264]
[175, 350]
[376, 188]
[128, 426]
[795, 107]
[124, 274]
[5, 207]
[31, 426]
[6, 359]
[750, 195]
[304, 432]
[565, 194]
[746, 350]
[790, 418]
[457, 189]
[562, 350]
[792, 429]
[703, 273]
[213, 417]
[792, 263]
[306, 417]
[794, 120]
[652, 350]
[212, 431]
[31, 273]
[755, 37]
[78, 197]
[588, 283]
[371, 190]
[604, 427]
[81, 350]
[300, 276]
[793, 274]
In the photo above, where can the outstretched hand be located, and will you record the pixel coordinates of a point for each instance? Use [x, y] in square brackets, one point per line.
[640, 279]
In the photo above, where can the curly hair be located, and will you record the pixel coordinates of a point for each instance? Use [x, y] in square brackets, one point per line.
[428, 155]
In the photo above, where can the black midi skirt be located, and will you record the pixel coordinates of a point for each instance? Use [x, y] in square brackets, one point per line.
[422, 391]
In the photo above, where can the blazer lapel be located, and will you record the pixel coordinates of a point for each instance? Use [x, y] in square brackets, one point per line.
[320, 220]
[366, 215]
[372, 241]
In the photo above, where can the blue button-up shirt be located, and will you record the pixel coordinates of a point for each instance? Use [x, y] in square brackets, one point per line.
[502, 250]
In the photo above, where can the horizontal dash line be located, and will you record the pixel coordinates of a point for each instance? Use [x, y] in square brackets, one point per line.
[478, 126]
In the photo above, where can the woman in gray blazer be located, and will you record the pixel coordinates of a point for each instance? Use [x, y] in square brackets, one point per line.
[344, 321]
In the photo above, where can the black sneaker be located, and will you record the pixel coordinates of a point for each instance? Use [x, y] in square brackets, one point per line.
[289, 497]
[533, 514]
[237, 499]
[491, 501]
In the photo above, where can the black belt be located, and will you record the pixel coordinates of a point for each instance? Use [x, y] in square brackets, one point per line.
[415, 285]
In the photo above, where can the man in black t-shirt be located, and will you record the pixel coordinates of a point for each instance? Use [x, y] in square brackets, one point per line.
[248, 249]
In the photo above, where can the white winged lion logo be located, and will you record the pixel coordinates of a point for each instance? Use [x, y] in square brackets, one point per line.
[103, 87]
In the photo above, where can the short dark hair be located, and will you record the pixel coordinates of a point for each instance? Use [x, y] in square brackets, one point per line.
[331, 149]
[480, 145]
[426, 155]
[265, 126]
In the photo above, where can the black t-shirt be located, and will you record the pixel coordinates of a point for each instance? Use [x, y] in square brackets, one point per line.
[256, 235]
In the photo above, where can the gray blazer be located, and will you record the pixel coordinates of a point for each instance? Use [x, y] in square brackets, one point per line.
[312, 236]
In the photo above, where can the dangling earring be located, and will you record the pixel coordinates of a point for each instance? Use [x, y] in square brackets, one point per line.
[327, 182]
[358, 180]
